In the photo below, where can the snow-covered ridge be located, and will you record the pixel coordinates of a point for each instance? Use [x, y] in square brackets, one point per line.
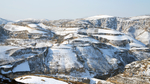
[139, 17]
[98, 17]
[31, 19]
[4, 21]
[11, 27]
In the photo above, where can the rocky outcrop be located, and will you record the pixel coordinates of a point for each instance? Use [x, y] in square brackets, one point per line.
[33, 62]
[6, 80]
[137, 72]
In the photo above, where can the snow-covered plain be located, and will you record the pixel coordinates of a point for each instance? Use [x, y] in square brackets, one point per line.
[39, 80]
[11, 27]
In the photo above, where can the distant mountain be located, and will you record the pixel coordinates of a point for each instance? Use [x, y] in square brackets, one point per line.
[32, 20]
[136, 27]
[4, 21]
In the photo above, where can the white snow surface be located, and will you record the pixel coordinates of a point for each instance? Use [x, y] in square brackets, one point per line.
[43, 44]
[139, 17]
[68, 58]
[95, 30]
[32, 25]
[43, 26]
[95, 81]
[98, 17]
[89, 39]
[5, 48]
[68, 36]
[6, 66]
[3, 55]
[31, 19]
[144, 37]
[113, 37]
[64, 31]
[21, 28]
[39, 80]
[62, 47]
[22, 67]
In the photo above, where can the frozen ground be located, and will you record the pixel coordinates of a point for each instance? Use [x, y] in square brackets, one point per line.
[21, 28]
[5, 48]
[39, 80]
[22, 67]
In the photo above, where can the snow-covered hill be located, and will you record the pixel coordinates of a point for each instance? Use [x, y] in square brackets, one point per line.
[98, 46]
[98, 17]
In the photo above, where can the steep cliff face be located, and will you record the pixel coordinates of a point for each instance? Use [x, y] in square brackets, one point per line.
[136, 27]
[3, 34]
[83, 61]
[103, 21]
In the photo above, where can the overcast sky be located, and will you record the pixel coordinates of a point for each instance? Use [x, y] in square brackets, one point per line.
[71, 9]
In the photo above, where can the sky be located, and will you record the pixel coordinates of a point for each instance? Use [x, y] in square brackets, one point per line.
[71, 9]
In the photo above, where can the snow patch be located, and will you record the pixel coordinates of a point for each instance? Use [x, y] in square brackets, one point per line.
[39, 80]
[6, 66]
[21, 28]
[113, 37]
[22, 67]
[32, 25]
